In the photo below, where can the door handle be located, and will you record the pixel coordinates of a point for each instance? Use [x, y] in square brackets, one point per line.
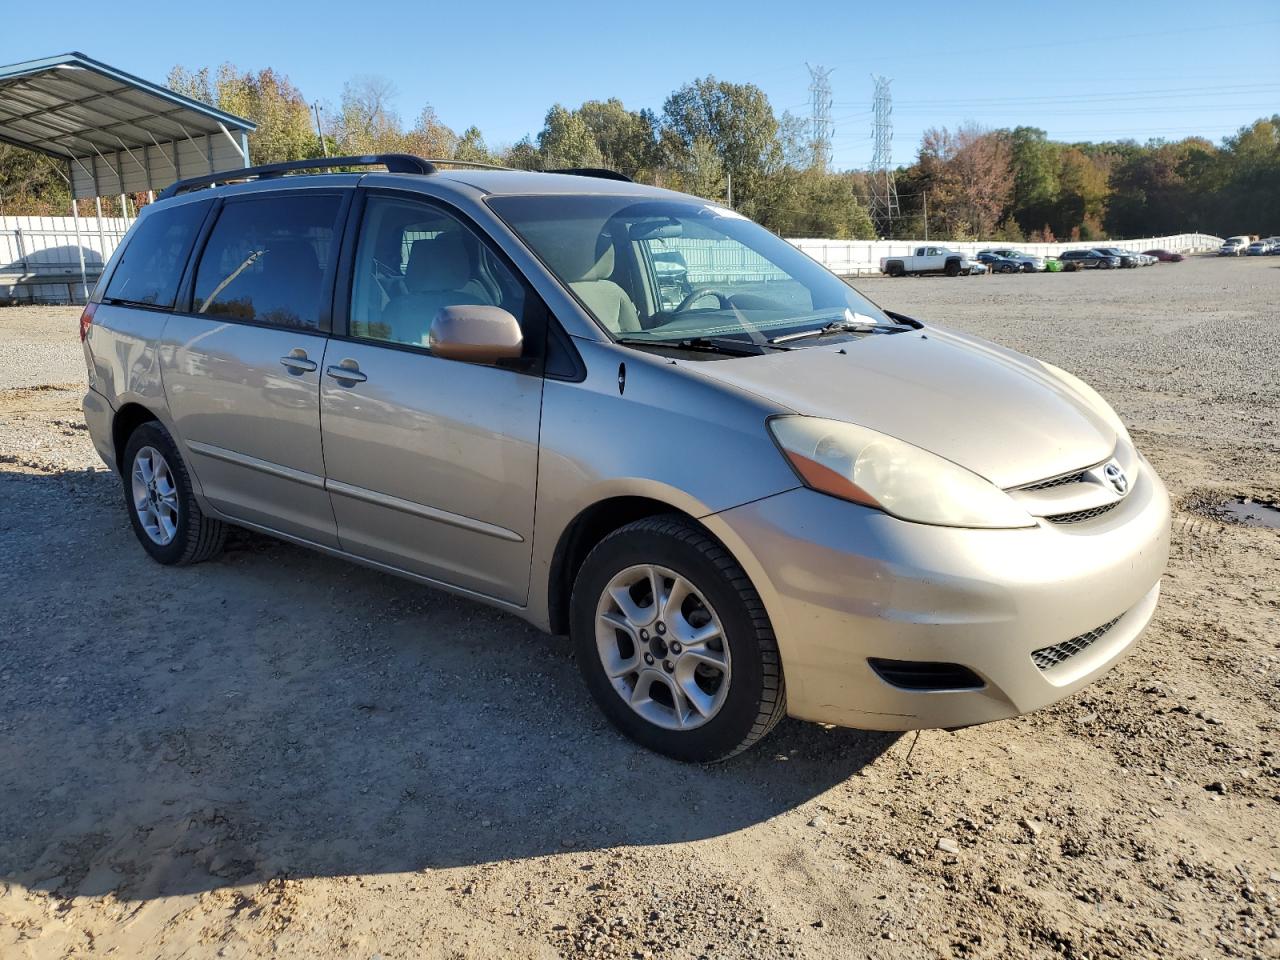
[347, 372]
[298, 364]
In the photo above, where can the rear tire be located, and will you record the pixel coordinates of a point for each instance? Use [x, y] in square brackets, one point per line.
[703, 700]
[166, 518]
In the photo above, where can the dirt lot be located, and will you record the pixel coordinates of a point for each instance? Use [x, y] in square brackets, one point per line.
[278, 753]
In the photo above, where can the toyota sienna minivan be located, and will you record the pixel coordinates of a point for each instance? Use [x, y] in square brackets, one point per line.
[630, 416]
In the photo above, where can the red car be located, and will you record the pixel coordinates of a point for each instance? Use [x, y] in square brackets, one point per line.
[1165, 255]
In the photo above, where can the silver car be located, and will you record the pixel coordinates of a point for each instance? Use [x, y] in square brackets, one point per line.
[744, 490]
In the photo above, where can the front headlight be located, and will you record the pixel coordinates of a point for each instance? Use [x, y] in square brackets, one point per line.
[863, 466]
[1094, 399]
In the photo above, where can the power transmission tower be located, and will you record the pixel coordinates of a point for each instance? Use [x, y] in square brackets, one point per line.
[820, 126]
[884, 192]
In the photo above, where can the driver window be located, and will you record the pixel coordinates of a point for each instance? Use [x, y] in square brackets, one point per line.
[412, 259]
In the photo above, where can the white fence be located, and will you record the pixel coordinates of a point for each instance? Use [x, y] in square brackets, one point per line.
[852, 258]
[40, 256]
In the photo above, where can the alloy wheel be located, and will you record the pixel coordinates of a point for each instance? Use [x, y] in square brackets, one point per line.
[662, 647]
[155, 495]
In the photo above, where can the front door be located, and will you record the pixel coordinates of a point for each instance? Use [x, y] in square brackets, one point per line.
[431, 464]
[242, 367]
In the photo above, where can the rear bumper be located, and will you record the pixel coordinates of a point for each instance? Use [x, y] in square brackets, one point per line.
[97, 417]
[844, 583]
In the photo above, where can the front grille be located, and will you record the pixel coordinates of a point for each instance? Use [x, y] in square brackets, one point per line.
[1048, 657]
[1057, 482]
[1079, 516]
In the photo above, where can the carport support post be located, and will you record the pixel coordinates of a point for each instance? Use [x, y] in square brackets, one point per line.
[102, 240]
[75, 216]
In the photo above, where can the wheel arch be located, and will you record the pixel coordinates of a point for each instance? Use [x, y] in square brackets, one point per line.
[127, 419]
[591, 525]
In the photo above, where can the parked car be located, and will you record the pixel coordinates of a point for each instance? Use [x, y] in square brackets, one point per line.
[1052, 265]
[1027, 262]
[1166, 256]
[1234, 246]
[1275, 245]
[771, 498]
[926, 260]
[1088, 260]
[1128, 258]
[1259, 248]
[996, 263]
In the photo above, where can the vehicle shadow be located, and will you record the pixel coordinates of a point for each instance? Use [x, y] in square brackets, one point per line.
[278, 712]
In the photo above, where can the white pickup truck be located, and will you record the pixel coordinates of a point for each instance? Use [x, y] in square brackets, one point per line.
[927, 260]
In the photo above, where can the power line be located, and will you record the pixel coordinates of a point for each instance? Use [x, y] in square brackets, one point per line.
[1163, 94]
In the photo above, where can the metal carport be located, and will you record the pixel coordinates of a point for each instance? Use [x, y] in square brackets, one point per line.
[117, 133]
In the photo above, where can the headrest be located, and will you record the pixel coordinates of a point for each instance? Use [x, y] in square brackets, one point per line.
[576, 261]
[438, 263]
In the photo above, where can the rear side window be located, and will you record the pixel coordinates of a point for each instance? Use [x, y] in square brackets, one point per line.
[151, 266]
[266, 260]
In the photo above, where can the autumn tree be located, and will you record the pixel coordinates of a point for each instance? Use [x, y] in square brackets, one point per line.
[284, 123]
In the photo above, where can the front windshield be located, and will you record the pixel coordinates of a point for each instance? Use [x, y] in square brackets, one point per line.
[670, 270]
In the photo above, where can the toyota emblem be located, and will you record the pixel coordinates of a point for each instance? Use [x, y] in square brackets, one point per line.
[1115, 476]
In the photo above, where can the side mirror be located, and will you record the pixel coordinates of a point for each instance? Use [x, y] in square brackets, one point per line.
[476, 334]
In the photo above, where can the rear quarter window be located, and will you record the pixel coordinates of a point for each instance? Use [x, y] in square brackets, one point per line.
[151, 266]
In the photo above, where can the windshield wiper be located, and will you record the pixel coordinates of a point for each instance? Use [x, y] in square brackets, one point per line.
[839, 326]
[726, 345]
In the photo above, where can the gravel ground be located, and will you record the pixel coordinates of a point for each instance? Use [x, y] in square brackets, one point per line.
[279, 753]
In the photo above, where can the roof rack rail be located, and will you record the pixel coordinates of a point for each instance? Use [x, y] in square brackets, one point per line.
[394, 162]
[600, 172]
[469, 164]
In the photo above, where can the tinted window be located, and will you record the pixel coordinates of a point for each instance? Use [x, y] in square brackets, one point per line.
[412, 259]
[151, 265]
[266, 260]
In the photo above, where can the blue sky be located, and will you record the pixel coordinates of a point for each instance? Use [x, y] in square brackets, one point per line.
[1146, 69]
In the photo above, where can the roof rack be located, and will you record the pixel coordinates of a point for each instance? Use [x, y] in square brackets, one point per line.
[601, 172]
[394, 162]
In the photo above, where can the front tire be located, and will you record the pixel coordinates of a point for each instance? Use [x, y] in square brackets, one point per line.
[166, 517]
[673, 642]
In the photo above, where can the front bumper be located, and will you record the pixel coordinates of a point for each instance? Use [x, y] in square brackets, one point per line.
[844, 583]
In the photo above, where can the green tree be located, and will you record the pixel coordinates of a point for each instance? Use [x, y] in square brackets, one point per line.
[624, 139]
[567, 141]
[31, 184]
[736, 119]
[471, 147]
[1034, 160]
[701, 172]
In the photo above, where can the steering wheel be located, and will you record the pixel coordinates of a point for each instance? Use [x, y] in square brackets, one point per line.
[691, 299]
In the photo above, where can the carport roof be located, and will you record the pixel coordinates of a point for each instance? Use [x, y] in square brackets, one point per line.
[119, 133]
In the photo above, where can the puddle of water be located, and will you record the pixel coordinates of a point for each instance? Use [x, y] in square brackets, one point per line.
[1251, 513]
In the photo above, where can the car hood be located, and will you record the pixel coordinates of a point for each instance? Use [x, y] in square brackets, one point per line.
[991, 410]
